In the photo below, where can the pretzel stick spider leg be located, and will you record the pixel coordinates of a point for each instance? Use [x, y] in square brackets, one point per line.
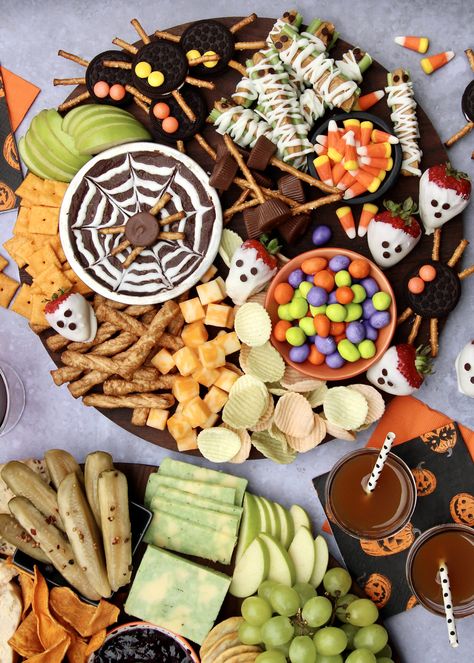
[414, 330]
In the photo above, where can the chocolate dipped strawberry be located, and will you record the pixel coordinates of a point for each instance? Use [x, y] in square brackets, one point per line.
[394, 232]
[401, 369]
[444, 193]
[251, 268]
[72, 316]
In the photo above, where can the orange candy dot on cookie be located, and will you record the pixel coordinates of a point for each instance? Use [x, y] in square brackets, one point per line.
[161, 111]
[170, 125]
[427, 273]
[416, 285]
[117, 92]
[101, 89]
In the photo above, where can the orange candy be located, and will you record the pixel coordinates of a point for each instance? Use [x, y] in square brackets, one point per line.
[280, 329]
[101, 89]
[313, 265]
[339, 337]
[283, 293]
[315, 357]
[427, 273]
[416, 285]
[117, 92]
[337, 328]
[170, 124]
[324, 279]
[161, 110]
[344, 294]
[322, 324]
[359, 268]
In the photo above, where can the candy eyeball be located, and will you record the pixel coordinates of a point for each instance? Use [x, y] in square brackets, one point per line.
[465, 370]
[101, 89]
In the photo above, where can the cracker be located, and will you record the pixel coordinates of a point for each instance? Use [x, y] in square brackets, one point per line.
[21, 223]
[43, 220]
[55, 243]
[266, 419]
[222, 628]
[345, 407]
[77, 285]
[37, 191]
[294, 415]
[23, 301]
[37, 316]
[258, 297]
[8, 287]
[230, 242]
[265, 362]
[218, 444]
[294, 381]
[273, 445]
[13, 247]
[3, 263]
[338, 432]
[52, 280]
[316, 396]
[252, 324]
[375, 402]
[41, 259]
[315, 437]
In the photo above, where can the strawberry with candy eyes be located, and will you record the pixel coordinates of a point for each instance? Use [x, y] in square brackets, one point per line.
[72, 316]
[444, 193]
[393, 233]
[251, 268]
[401, 369]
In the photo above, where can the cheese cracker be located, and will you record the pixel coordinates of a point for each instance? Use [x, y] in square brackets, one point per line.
[21, 223]
[37, 191]
[23, 301]
[43, 220]
[8, 287]
[37, 316]
[52, 280]
[3, 263]
[41, 259]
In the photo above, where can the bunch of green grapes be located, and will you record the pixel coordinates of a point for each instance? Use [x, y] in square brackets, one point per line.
[295, 624]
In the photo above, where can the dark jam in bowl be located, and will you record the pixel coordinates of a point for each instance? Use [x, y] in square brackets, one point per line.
[141, 645]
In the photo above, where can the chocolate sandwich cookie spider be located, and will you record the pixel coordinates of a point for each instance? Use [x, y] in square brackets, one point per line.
[467, 105]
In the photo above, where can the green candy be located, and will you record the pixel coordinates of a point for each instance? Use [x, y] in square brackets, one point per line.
[381, 301]
[297, 294]
[305, 287]
[315, 310]
[353, 312]
[295, 336]
[367, 349]
[347, 350]
[298, 307]
[284, 312]
[307, 325]
[336, 312]
[343, 278]
[359, 293]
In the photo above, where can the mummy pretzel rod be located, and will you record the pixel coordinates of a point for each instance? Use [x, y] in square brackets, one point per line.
[467, 107]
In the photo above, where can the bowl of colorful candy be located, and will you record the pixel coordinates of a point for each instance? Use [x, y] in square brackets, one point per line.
[333, 313]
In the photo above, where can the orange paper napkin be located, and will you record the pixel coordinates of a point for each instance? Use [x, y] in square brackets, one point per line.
[20, 95]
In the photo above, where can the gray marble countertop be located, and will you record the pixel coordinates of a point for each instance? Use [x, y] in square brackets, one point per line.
[32, 31]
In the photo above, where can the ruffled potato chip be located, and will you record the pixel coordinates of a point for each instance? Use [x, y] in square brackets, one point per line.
[316, 396]
[293, 380]
[245, 444]
[218, 444]
[246, 403]
[252, 324]
[258, 297]
[345, 407]
[374, 400]
[273, 446]
[230, 242]
[244, 357]
[293, 415]
[338, 432]
[266, 419]
[315, 437]
[265, 363]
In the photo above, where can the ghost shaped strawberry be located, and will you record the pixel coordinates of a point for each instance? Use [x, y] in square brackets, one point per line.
[393, 233]
[401, 369]
[465, 370]
[71, 315]
[444, 193]
[251, 268]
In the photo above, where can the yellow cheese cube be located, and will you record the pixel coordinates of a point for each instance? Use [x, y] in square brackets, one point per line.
[229, 342]
[192, 310]
[194, 334]
[206, 376]
[226, 379]
[185, 388]
[211, 354]
[209, 274]
[163, 361]
[231, 318]
[217, 315]
[196, 412]
[188, 442]
[215, 399]
[186, 361]
[179, 426]
[211, 292]
[210, 421]
[157, 418]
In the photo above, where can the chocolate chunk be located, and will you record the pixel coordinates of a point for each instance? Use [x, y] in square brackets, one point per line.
[272, 213]
[294, 228]
[142, 229]
[291, 186]
[261, 153]
[251, 223]
[224, 171]
[261, 179]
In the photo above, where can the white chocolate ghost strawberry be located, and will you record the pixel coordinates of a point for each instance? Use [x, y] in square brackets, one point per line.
[400, 370]
[251, 268]
[393, 233]
[465, 370]
[71, 315]
[444, 193]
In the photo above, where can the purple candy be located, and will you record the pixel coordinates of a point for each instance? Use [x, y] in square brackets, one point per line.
[295, 278]
[299, 354]
[311, 339]
[334, 360]
[339, 262]
[370, 286]
[321, 235]
[368, 308]
[310, 278]
[380, 319]
[332, 298]
[370, 332]
[317, 296]
[355, 332]
[325, 344]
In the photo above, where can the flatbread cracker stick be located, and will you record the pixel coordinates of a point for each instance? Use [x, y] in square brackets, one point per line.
[114, 345]
[88, 362]
[467, 128]
[140, 31]
[137, 310]
[165, 221]
[414, 330]
[73, 58]
[404, 316]
[314, 204]
[56, 342]
[198, 82]
[436, 244]
[244, 168]
[163, 402]
[170, 342]
[164, 34]
[434, 337]
[470, 57]
[75, 101]
[140, 416]
[114, 387]
[125, 45]
[69, 81]
[120, 320]
[175, 326]
[247, 20]
[99, 299]
[65, 374]
[85, 384]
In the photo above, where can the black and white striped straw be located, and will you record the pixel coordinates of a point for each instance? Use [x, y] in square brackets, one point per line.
[448, 605]
[380, 462]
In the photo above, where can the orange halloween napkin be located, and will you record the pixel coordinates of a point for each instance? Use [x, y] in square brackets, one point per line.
[20, 94]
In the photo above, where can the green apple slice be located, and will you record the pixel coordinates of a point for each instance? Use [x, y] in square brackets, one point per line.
[251, 570]
[287, 529]
[41, 162]
[321, 559]
[101, 118]
[64, 140]
[302, 552]
[76, 115]
[282, 568]
[250, 527]
[115, 133]
[27, 160]
[265, 524]
[300, 517]
[275, 529]
[48, 150]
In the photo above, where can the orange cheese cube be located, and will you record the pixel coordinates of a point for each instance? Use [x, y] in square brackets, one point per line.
[206, 376]
[209, 274]
[179, 426]
[194, 334]
[211, 354]
[186, 361]
[231, 318]
[188, 442]
[211, 292]
[192, 310]
[229, 342]
[217, 315]
[157, 418]
[226, 379]
[215, 399]
[210, 421]
[185, 388]
[163, 361]
[196, 412]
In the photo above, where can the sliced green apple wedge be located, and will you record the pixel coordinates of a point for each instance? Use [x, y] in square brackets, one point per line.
[48, 150]
[287, 529]
[282, 568]
[300, 517]
[76, 115]
[264, 511]
[28, 161]
[250, 527]
[302, 552]
[64, 140]
[251, 570]
[321, 559]
[114, 133]
[275, 528]
[101, 118]
[40, 164]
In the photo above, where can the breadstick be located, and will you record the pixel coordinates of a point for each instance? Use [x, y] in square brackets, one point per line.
[104, 332]
[93, 362]
[147, 373]
[170, 342]
[99, 299]
[114, 345]
[138, 310]
[56, 342]
[114, 387]
[65, 374]
[120, 320]
[85, 384]
[163, 402]
[176, 324]
[140, 416]
[467, 128]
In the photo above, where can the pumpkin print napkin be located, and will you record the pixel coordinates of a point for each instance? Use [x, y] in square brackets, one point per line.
[10, 170]
[443, 470]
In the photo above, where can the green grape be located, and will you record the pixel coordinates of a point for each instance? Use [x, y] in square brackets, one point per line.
[342, 603]
[361, 656]
[256, 611]
[337, 581]
[330, 640]
[350, 631]
[362, 612]
[317, 611]
[385, 652]
[265, 589]
[284, 648]
[271, 656]
[329, 659]
[302, 650]
[277, 630]
[384, 659]
[285, 600]
[373, 637]
[305, 591]
[249, 635]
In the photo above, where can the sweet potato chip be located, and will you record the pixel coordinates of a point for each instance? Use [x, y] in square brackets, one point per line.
[50, 632]
[27, 588]
[54, 654]
[96, 641]
[77, 652]
[84, 618]
[25, 640]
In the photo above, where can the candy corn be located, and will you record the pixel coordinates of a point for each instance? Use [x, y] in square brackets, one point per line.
[323, 168]
[370, 182]
[376, 172]
[322, 139]
[377, 162]
[378, 136]
[368, 100]
[346, 219]
[375, 150]
[336, 146]
[338, 172]
[350, 153]
[366, 129]
[346, 181]
[366, 216]
[434, 62]
[320, 149]
[354, 190]
[352, 124]
[418, 44]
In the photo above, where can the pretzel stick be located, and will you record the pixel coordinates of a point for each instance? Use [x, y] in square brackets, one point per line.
[466, 272]
[114, 345]
[204, 58]
[175, 326]
[136, 93]
[131, 256]
[404, 316]
[303, 176]
[125, 45]
[233, 64]
[64, 374]
[198, 82]
[205, 146]
[172, 218]
[113, 230]
[229, 213]
[85, 384]
[244, 168]
[268, 192]
[140, 416]
[436, 244]
[69, 81]
[456, 257]
[470, 57]
[414, 330]
[124, 244]
[74, 102]
[162, 202]
[163, 34]
[117, 64]
[434, 336]
[140, 31]
[99, 299]
[104, 332]
[170, 342]
[148, 373]
[183, 105]
[314, 204]
[121, 320]
[89, 362]
[141, 104]
[148, 317]
[180, 146]
[250, 45]
[467, 128]
[242, 23]
[56, 342]
[171, 235]
[115, 387]
[162, 402]
[136, 310]
[73, 58]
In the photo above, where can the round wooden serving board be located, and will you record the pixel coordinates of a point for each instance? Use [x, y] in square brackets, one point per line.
[433, 152]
